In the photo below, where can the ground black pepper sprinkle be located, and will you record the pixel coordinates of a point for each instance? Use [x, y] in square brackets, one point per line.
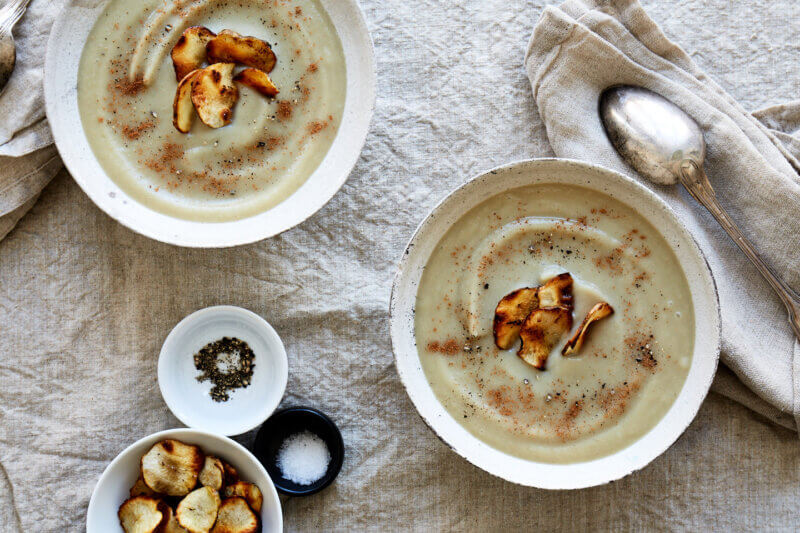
[228, 364]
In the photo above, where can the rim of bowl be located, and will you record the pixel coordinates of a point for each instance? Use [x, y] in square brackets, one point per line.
[169, 433]
[337, 461]
[268, 408]
[61, 95]
[436, 416]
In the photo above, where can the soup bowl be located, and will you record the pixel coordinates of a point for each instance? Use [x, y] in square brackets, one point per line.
[606, 183]
[65, 46]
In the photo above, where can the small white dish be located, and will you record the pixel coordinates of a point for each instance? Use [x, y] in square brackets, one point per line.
[67, 38]
[114, 484]
[189, 399]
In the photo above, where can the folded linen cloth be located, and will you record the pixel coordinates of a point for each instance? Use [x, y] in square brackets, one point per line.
[28, 159]
[583, 46]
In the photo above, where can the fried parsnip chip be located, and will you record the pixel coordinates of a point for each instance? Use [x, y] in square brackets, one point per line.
[541, 332]
[214, 94]
[213, 473]
[230, 47]
[140, 488]
[510, 313]
[171, 524]
[189, 52]
[557, 292]
[575, 343]
[142, 514]
[235, 516]
[248, 491]
[258, 80]
[197, 512]
[171, 467]
[231, 475]
[182, 107]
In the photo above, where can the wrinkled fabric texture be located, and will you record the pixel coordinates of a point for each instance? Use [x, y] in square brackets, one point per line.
[28, 160]
[85, 304]
[583, 46]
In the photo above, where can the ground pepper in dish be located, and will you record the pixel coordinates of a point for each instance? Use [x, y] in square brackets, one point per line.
[228, 364]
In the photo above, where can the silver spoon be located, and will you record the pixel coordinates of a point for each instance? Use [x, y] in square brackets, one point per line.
[665, 145]
[10, 14]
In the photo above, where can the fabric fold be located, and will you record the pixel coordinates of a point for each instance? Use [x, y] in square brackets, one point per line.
[583, 46]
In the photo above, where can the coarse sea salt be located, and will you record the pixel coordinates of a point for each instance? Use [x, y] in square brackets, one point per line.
[303, 458]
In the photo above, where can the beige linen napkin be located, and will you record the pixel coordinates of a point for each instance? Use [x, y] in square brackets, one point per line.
[28, 159]
[584, 46]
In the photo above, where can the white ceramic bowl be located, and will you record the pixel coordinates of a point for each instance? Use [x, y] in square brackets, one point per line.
[64, 49]
[539, 474]
[118, 477]
[189, 399]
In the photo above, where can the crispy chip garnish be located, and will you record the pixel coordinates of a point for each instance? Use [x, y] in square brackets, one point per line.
[182, 107]
[214, 94]
[141, 514]
[197, 512]
[235, 516]
[213, 473]
[557, 292]
[258, 80]
[575, 343]
[171, 525]
[171, 467]
[511, 313]
[245, 490]
[230, 47]
[541, 332]
[189, 52]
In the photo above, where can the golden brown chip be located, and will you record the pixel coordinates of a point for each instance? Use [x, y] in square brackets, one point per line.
[140, 488]
[231, 474]
[258, 80]
[230, 47]
[170, 524]
[214, 94]
[541, 332]
[189, 52]
[213, 473]
[235, 516]
[197, 512]
[557, 292]
[171, 467]
[141, 514]
[511, 313]
[575, 343]
[248, 491]
[182, 107]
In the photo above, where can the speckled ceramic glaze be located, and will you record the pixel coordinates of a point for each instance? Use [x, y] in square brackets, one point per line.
[537, 470]
[67, 41]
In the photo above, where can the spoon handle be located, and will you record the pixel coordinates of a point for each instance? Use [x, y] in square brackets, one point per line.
[696, 182]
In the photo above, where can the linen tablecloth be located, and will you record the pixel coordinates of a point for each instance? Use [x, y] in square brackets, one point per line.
[85, 304]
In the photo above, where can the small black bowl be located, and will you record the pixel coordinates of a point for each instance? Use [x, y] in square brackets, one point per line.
[286, 423]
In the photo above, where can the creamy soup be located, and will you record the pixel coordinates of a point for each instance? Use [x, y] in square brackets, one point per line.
[127, 85]
[582, 406]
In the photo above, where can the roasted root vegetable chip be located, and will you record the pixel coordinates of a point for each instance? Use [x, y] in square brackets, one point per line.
[230, 47]
[214, 94]
[140, 488]
[197, 512]
[235, 516]
[171, 524]
[557, 292]
[248, 491]
[171, 467]
[510, 313]
[142, 514]
[189, 53]
[182, 107]
[575, 343]
[213, 473]
[541, 332]
[257, 80]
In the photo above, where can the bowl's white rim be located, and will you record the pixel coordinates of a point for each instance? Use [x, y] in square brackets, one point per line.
[552, 475]
[187, 433]
[256, 415]
[61, 106]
